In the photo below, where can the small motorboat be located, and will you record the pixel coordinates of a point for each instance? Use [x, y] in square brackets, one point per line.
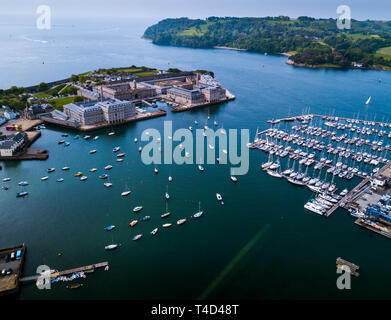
[111, 247]
[156, 171]
[96, 137]
[167, 196]
[67, 144]
[166, 225]
[86, 137]
[50, 170]
[44, 178]
[93, 151]
[107, 184]
[74, 286]
[201, 168]
[83, 178]
[120, 155]
[104, 176]
[64, 135]
[181, 221]
[60, 180]
[79, 174]
[234, 179]
[93, 169]
[137, 209]
[22, 194]
[154, 231]
[61, 141]
[116, 149]
[170, 178]
[65, 168]
[23, 183]
[108, 167]
[120, 160]
[135, 238]
[133, 223]
[125, 193]
[165, 215]
[135, 140]
[146, 218]
[111, 133]
[219, 197]
[140, 149]
[109, 228]
[6, 179]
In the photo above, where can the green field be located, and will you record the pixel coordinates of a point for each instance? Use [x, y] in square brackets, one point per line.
[196, 31]
[146, 73]
[58, 103]
[384, 52]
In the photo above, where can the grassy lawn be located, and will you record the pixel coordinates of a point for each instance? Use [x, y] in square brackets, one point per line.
[146, 73]
[357, 36]
[384, 52]
[199, 32]
[58, 103]
[42, 95]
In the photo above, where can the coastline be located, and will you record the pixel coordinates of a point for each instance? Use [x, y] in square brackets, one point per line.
[229, 48]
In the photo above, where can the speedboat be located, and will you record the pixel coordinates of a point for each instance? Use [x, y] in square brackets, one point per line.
[116, 149]
[170, 178]
[78, 174]
[181, 221]
[137, 209]
[125, 193]
[60, 180]
[120, 155]
[23, 183]
[6, 179]
[65, 168]
[135, 238]
[107, 184]
[233, 178]
[219, 197]
[120, 160]
[156, 171]
[133, 223]
[166, 225]
[49, 170]
[93, 151]
[108, 167]
[83, 178]
[93, 169]
[104, 176]
[109, 228]
[22, 194]
[165, 215]
[154, 231]
[201, 168]
[111, 247]
[44, 178]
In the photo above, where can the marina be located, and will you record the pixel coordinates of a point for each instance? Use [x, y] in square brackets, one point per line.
[339, 148]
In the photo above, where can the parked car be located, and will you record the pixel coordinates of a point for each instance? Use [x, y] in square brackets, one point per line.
[9, 271]
[13, 255]
[3, 272]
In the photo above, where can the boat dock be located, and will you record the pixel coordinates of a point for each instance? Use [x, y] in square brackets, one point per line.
[67, 272]
[353, 268]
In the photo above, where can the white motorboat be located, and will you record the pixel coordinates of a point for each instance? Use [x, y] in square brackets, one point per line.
[233, 178]
[219, 197]
[201, 168]
[154, 231]
[83, 178]
[111, 247]
[273, 173]
[107, 184]
[125, 193]
[137, 209]
[108, 167]
[44, 178]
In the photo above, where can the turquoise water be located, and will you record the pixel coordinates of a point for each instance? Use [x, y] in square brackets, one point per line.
[260, 244]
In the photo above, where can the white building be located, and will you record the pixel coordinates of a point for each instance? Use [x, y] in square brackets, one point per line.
[10, 144]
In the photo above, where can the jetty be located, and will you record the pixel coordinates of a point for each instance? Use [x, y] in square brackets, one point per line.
[12, 260]
[353, 268]
[56, 274]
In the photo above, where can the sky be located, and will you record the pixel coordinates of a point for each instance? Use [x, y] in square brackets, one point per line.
[160, 9]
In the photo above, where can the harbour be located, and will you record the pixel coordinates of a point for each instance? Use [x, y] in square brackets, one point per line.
[294, 258]
[353, 149]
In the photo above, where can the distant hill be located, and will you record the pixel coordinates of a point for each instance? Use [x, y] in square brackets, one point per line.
[309, 42]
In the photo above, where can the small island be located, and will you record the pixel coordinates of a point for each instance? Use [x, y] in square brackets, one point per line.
[99, 99]
[308, 42]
